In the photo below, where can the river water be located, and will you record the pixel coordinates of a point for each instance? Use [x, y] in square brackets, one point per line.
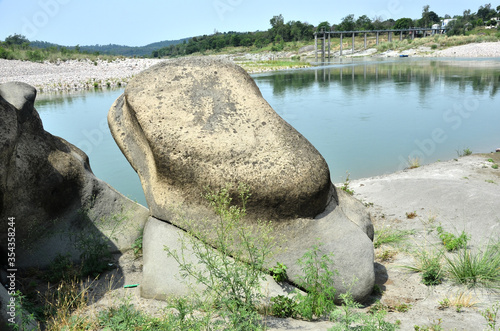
[366, 118]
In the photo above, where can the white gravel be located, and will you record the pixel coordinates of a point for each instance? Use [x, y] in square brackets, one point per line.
[72, 75]
[489, 49]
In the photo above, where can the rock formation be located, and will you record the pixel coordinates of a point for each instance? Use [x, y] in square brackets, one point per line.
[188, 124]
[47, 186]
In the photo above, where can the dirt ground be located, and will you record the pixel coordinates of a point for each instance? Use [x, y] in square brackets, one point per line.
[461, 194]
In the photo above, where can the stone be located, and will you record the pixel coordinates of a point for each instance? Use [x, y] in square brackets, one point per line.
[47, 187]
[498, 150]
[193, 123]
[162, 277]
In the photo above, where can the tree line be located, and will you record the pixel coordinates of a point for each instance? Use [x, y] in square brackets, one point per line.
[273, 39]
[281, 32]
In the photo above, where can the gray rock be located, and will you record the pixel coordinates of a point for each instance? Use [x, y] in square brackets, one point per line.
[47, 185]
[306, 49]
[162, 276]
[191, 123]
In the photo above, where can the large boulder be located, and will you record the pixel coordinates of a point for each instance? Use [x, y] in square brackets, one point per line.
[48, 189]
[189, 124]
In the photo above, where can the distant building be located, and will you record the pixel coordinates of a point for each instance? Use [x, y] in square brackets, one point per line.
[445, 22]
[435, 26]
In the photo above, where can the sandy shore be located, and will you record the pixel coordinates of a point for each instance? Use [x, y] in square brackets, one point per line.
[81, 75]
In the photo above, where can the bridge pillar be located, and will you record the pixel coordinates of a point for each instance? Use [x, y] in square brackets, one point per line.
[329, 46]
[323, 47]
[341, 43]
[353, 43]
[365, 39]
[316, 45]
[377, 37]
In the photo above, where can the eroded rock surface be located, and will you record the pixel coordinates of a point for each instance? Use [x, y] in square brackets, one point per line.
[191, 123]
[47, 186]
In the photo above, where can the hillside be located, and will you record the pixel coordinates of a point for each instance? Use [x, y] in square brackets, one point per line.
[113, 49]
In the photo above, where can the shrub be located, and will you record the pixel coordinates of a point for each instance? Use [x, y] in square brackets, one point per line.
[317, 281]
[35, 56]
[282, 306]
[233, 286]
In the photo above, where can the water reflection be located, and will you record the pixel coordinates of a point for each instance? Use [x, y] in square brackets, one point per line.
[368, 118]
[482, 76]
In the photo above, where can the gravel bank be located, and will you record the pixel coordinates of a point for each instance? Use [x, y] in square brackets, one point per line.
[490, 49]
[72, 75]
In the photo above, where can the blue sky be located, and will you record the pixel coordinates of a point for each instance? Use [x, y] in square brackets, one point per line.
[137, 23]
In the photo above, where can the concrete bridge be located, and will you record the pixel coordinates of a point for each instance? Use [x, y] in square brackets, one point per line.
[323, 36]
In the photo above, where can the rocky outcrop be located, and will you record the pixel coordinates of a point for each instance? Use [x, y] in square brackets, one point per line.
[49, 190]
[188, 124]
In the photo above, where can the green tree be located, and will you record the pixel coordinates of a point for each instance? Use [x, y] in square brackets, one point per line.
[428, 17]
[347, 23]
[486, 12]
[424, 21]
[364, 23]
[323, 26]
[277, 26]
[403, 23]
[16, 39]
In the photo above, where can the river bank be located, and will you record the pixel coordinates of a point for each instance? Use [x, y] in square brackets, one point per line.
[77, 75]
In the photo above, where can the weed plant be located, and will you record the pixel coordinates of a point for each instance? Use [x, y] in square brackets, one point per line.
[465, 152]
[413, 163]
[452, 242]
[481, 268]
[231, 285]
[429, 263]
[491, 316]
[283, 306]
[278, 272]
[348, 318]
[317, 281]
[345, 186]
[390, 236]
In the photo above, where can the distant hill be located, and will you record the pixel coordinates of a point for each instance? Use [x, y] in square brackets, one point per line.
[114, 49]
